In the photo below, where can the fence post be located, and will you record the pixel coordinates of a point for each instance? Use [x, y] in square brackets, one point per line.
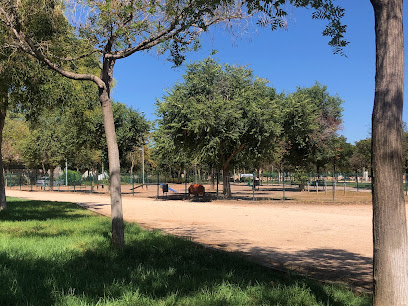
[344, 178]
[185, 183]
[283, 189]
[133, 184]
[217, 182]
[158, 184]
[253, 186]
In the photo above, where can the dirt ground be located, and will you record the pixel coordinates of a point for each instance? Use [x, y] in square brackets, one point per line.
[309, 232]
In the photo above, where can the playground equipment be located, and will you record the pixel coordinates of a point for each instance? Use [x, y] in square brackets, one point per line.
[196, 190]
[166, 188]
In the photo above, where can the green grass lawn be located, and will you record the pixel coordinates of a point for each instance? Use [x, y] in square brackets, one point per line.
[60, 254]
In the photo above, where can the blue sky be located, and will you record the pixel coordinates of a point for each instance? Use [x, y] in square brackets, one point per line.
[299, 56]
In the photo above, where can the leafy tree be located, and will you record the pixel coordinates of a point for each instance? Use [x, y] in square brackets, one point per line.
[115, 30]
[42, 148]
[311, 119]
[166, 155]
[15, 131]
[136, 158]
[218, 113]
[25, 87]
[72, 133]
[361, 157]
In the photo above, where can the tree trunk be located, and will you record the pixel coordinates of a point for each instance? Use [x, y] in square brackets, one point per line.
[3, 112]
[131, 168]
[226, 187]
[389, 217]
[226, 174]
[118, 236]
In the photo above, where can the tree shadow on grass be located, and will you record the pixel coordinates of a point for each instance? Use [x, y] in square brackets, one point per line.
[334, 265]
[156, 267]
[326, 264]
[40, 211]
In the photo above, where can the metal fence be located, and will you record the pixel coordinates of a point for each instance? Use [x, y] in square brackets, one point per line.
[151, 183]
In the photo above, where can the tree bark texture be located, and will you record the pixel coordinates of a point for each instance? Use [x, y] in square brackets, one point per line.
[118, 235]
[389, 217]
[3, 113]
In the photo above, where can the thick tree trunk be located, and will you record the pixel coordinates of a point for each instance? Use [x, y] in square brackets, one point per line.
[389, 218]
[3, 112]
[118, 236]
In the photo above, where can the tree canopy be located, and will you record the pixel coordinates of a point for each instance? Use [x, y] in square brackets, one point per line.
[218, 113]
[311, 120]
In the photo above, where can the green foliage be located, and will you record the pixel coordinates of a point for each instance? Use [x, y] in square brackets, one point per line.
[218, 112]
[173, 27]
[64, 133]
[72, 132]
[311, 119]
[300, 176]
[42, 148]
[277, 10]
[361, 157]
[74, 177]
[165, 153]
[60, 254]
[131, 131]
[14, 133]
[341, 154]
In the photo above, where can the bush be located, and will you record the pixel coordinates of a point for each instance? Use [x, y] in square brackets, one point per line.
[74, 177]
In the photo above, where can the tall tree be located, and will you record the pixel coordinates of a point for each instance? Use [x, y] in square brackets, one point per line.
[361, 157]
[15, 131]
[218, 113]
[311, 120]
[389, 216]
[115, 29]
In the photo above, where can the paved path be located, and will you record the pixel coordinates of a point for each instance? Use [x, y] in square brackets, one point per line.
[331, 242]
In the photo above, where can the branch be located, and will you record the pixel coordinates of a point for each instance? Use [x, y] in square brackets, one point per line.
[149, 43]
[70, 59]
[26, 45]
[241, 147]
